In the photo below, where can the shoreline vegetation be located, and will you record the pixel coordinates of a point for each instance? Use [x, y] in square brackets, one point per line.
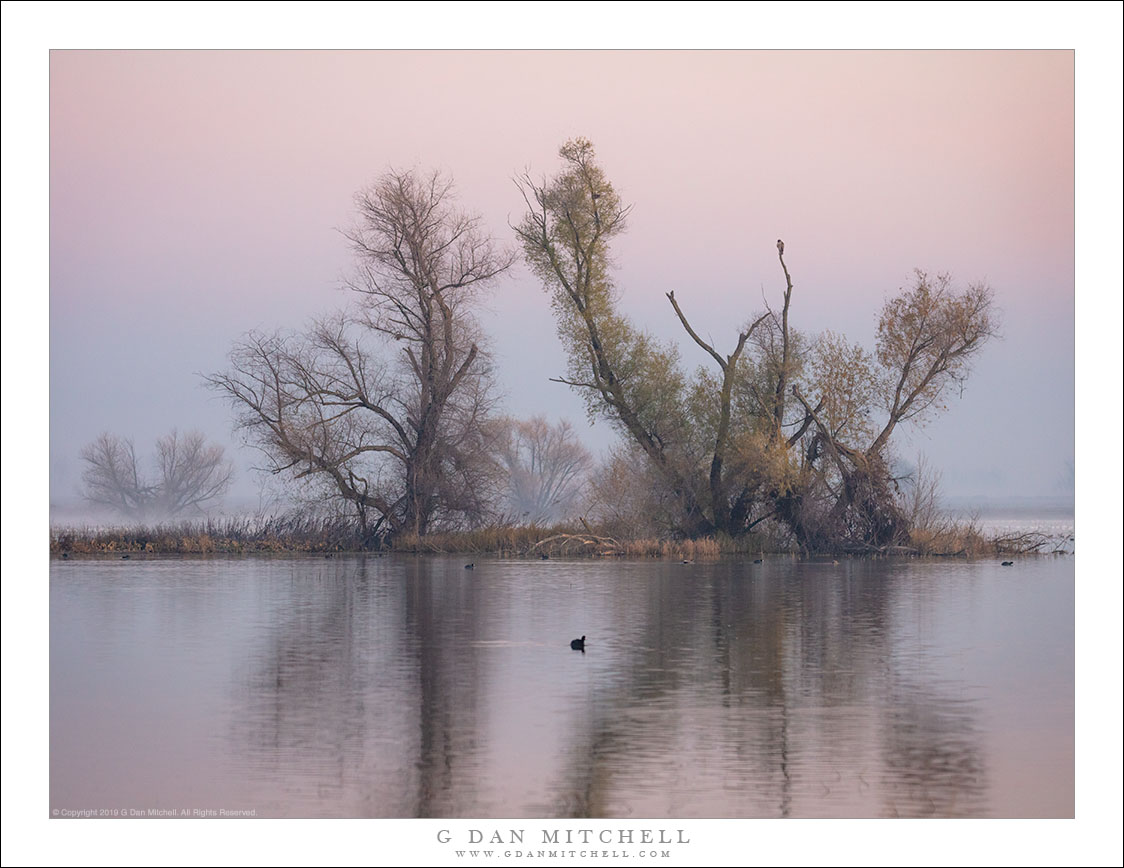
[301, 534]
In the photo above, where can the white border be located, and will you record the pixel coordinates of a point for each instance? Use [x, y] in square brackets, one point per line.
[31, 29]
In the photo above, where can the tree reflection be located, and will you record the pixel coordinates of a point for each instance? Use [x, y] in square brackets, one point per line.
[934, 764]
[728, 690]
[815, 719]
[355, 703]
[440, 606]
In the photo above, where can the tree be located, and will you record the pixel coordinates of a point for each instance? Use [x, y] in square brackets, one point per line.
[546, 468]
[741, 442]
[624, 374]
[928, 337]
[189, 475]
[627, 495]
[398, 434]
[698, 436]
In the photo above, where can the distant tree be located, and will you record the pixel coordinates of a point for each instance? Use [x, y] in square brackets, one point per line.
[922, 495]
[546, 466]
[627, 496]
[385, 404]
[188, 475]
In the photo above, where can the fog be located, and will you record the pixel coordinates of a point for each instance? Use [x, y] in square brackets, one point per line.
[197, 195]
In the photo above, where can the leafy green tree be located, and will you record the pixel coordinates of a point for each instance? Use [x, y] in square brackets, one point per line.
[779, 428]
[694, 433]
[928, 337]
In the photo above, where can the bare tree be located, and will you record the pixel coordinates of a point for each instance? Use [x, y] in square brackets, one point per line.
[189, 475]
[385, 403]
[628, 496]
[546, 468]
[922, 496]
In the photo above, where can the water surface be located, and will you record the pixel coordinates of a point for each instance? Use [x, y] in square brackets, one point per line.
[410, 687]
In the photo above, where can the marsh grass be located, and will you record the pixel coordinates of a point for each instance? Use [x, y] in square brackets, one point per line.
[502, 540]
[556, 541]
[299, 533]
[965, 539]
[241, 535]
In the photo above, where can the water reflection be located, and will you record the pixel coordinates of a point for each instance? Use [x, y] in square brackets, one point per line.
[772, 688]
[410, 687]
[933, 756]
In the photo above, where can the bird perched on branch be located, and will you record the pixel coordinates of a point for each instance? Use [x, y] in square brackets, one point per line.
[780, 247]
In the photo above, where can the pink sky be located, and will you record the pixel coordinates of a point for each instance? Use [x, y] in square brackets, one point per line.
[195, 195]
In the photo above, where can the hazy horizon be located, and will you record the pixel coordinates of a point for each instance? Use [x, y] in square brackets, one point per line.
[197, 195]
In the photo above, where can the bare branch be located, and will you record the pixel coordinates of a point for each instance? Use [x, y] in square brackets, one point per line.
[396, 435]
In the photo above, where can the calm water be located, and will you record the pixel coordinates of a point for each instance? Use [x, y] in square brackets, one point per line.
[411, 687]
